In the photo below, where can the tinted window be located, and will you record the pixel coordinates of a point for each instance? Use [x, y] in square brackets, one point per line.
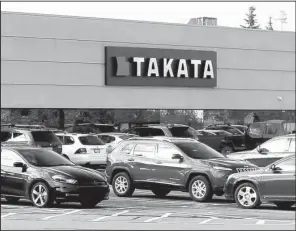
[148, 132]
[106, 128]
[45, 137]
[61, 138]
[166, 152]
[287, 165]
[68, 140]
[90, 140]
[183, 132]
[256, 128]
[43, 158]
[9, 157]
[233, 131]
[272, 129]
[5, 136]
[107, 139]
[289, 127]
[198, 150]
[276, 145]
[146, 150]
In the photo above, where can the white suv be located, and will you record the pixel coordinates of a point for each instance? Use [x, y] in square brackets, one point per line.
[83, 149]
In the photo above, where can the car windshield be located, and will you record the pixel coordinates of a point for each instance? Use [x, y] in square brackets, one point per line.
[234, 131]
[44, 158]
[185, 132]
[90, 140]
[197, 150]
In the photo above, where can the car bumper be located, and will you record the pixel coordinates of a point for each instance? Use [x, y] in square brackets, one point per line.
[228, 190]
[67, 192]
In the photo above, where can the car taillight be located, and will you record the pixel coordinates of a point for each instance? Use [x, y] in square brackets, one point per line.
[81, 151]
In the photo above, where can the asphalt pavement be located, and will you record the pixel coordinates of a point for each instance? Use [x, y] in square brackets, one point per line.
[145, 211]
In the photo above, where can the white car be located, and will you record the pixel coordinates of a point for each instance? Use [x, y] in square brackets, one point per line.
[268, 152]
[83, 149]
[113, 138]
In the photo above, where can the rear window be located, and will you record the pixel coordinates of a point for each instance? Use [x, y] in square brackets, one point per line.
[183, 132]
[5, 136]
[90, 140]
[45, 137]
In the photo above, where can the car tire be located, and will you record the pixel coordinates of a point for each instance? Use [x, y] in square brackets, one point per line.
[247, 192]
[284, 205]
[200, 189]
[40, 195]
[122, 185]
[89, 202]
[12, 200]
[227, 150]
[160, 192]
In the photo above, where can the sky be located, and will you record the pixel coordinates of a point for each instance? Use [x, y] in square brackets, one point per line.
[229, 14]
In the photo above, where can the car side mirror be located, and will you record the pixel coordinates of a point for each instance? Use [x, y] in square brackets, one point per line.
[263, 151]
[178, 157]
[274, 168]
[109, 149]
[20, 165]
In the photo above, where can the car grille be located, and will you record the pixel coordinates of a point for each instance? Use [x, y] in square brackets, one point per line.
[246, 169]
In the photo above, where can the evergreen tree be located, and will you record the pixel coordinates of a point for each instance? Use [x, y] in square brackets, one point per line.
[269, 24]
[251, 21]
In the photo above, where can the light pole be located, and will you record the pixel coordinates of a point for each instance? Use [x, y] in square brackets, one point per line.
[282, 18]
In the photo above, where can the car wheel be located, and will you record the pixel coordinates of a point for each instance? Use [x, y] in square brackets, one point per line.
[227, 150]
[284, 205]
[40, 195]
[200, 189]
[89, 202]
[122, 185]
[160, 192]
[12, 200]
[247, 196]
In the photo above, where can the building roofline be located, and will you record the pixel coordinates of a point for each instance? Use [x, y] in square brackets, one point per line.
[139, 21]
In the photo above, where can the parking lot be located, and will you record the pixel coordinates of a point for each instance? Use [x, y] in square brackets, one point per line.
[144, 211]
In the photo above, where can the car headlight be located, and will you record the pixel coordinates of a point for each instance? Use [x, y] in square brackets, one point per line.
[62, 179]
[222, 168]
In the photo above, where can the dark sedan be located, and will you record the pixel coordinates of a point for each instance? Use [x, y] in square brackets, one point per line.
[275, 183]
[44, 176]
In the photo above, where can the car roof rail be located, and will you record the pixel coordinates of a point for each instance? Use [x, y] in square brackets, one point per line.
[15, 143]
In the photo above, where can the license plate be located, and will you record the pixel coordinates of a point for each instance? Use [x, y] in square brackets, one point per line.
[96, 150]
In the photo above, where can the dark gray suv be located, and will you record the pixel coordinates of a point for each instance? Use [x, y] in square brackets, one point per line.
[164, 164]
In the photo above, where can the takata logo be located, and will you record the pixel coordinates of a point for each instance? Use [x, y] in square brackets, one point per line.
[126, 66]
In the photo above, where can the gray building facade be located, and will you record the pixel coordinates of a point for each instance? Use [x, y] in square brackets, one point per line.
[50, 61]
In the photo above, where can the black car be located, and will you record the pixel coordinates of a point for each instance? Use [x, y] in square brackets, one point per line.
[275, 183]
[44, 176]
[165, 164]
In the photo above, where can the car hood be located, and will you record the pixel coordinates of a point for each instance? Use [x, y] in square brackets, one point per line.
[229, 163]
[76, 172]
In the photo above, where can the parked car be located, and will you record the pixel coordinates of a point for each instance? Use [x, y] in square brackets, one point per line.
[275, 184]
[162, 164]
[260, 132]
[44, 176]
[84, 149]
[114, 138]
[43, 138]
[256, 134]
[86, 128]
[268, 152]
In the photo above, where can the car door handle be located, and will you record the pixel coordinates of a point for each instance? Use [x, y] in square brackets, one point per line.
[130, 159]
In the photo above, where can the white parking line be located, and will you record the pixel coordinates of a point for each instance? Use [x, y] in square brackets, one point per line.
[62, 214]
[113, 215]
[157, 218]
[8, 214]
[208, 220]
[260, 222]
